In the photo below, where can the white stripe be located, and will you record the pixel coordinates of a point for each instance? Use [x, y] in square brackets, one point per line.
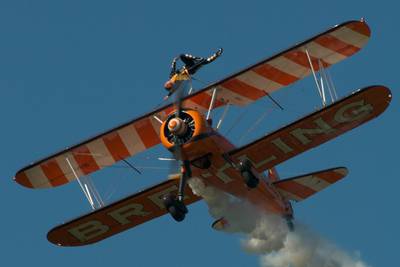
[255, 80]
[349, 36]
[313, 182]
[131, 139]
[162, 115]
[286, 65]
[100, 153]
[320, 52]
[233, 98]
[156, 125]
[289, 195]
[341, 171]
[37, 177]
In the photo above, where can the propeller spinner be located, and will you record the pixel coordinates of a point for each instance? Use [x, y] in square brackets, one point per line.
[177, 126]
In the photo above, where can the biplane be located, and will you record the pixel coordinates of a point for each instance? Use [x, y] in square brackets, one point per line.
[186, 130]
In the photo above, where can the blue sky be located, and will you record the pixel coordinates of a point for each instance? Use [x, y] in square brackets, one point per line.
[70, 69]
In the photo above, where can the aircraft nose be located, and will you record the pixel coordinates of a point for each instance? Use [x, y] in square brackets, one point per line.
[176, 126]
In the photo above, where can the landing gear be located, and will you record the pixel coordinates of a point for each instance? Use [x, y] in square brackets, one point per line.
[180, 128]
[174, 204]
[175, 207]
[249, 178]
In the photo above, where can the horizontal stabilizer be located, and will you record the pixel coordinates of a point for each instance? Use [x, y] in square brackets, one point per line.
[117, 217]
[301, 187]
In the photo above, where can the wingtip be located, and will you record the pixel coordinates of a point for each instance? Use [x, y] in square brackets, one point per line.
[22, 179]
[360, 26]
[342, 171]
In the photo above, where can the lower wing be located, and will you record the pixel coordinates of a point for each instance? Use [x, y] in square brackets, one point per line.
[117, 217]
[314, 129]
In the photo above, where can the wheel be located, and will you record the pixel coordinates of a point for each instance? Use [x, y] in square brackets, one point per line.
[250, 180]
[176, 208]
[176, 213]
[245, 165]
[168, 200]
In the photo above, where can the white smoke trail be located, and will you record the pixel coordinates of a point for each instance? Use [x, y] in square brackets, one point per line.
[268, 234]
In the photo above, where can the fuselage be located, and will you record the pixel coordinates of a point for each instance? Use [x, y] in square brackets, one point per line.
[207, 150]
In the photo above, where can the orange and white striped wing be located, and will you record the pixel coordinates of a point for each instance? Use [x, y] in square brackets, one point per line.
[302, 187]
[94, 154]
[241, 88]
[287, 67]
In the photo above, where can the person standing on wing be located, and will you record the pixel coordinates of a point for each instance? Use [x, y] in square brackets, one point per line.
[191, 65]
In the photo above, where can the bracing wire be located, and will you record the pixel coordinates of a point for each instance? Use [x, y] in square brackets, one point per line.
[255, 124]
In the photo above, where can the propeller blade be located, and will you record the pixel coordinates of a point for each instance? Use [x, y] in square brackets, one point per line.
[166, 159]
[178, 99]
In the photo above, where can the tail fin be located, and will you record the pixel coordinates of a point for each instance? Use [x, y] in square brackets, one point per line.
[301, 187]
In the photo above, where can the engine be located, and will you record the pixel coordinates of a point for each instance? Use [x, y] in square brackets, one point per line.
[182, 129]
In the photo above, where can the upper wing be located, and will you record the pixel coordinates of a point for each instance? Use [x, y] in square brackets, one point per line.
[117, 217]
[315, 129]
[95, 153]
[240, 88]
[288, 66]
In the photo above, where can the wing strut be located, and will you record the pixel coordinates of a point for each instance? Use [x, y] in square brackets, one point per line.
[223, 116]
[324, 78]
[88, 189]
[191, 85]
[212, 102]
[320, 90]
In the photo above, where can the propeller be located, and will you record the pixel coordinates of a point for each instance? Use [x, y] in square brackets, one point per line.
[180, 129]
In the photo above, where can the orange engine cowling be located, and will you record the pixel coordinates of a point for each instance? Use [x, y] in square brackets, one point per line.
[186, 129]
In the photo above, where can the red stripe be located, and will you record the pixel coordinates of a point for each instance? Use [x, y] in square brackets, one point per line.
[334, 44]
[54, 173]
[297, 189]
[330, 177]
[85, 160]
[300, 58]
[169, 110]
[204, 100]
[22, 179]
[360, 27]
[116, 146]
[243, 89]
[146, 132]
[275, 75]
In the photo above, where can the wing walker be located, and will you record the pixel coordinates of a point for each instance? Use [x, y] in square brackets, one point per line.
[185, 129]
